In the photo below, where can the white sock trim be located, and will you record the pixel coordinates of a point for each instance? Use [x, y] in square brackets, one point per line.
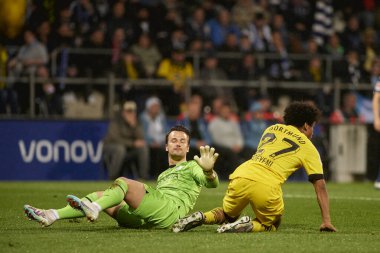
[97, 206]
[55, 214]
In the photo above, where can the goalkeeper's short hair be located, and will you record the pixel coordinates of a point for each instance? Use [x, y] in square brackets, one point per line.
[179, 128]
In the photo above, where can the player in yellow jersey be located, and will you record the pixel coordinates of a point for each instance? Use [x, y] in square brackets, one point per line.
[283, 149]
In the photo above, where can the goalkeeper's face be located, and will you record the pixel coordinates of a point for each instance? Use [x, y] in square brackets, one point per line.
[178, 145]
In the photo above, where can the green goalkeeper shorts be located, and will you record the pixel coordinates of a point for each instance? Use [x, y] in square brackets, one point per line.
[155, 211]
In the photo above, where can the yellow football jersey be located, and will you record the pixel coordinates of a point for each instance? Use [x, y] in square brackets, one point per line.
[282, 150]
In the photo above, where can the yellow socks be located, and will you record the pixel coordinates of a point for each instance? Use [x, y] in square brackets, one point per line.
[215, 216]
[259, 227]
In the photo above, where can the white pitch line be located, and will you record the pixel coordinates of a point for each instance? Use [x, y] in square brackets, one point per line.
[298, 196]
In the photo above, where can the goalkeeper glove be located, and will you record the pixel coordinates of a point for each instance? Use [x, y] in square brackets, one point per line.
[207, 160]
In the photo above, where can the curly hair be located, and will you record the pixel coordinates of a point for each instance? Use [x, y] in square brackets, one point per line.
[299, 113]
[179, 128]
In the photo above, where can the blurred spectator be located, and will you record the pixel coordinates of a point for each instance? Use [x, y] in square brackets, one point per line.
[231, 44]
[170, 35]
[220, 27]
[8, 96]
[118, 19]
[280, 69]
[129, 67]
[259, 33]
[65, 30]
[255, 123]
[49, 102]
[247, 71]
[369, 49]
[178, 72]
[299, 18]
[334, 47]
[350, 69]
[48, 99]
[351, 38]
[243, 12]
[196, 46]
[148, 54]
[278, 25]
[3, 65]
[45, 36]
[210, 8]
[142, 23]
[102, 8]
[347, 113]
[213, 110]
[31, 55]
[84, 15]
[323, 21]
[375, 72]
[227, 138]
[95, 65]
[155, 127]
[118, 45]
[65, 36]
[212, 72]
[35, 14]
[312, 47]
[194, 121]
[313, 72]
[178, 39]
[124, 144]
[245, 45]
[154, 123]
[367, 15]
[195, 27]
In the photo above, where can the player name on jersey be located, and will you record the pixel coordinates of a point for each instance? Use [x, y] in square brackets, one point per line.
[288, 132]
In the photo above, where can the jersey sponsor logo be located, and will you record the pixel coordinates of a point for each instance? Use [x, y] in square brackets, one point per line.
[46, 151]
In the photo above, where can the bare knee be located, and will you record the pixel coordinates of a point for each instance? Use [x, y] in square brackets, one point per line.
[113, 211]
[129, 182]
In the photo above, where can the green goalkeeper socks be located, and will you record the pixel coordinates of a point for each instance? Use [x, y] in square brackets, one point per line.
[113, 195]
[68, 212]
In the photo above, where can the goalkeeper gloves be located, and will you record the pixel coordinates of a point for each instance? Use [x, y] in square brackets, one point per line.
[207, 160]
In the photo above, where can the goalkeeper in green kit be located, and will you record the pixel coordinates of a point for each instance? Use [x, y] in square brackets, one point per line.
[136, 205]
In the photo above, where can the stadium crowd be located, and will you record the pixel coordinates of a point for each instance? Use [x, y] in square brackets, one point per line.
[158, 39]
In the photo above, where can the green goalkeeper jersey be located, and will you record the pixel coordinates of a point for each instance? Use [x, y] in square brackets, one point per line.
[182, 183]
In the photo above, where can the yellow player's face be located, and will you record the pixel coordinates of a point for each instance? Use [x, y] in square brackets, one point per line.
[178, 145]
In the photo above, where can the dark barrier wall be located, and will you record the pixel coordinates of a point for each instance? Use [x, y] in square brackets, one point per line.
[46, 150]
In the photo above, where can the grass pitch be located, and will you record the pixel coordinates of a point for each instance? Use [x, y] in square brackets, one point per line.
[355, 211]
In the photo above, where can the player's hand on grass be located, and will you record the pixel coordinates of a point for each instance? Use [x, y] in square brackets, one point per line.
[207, 159]
[327, 227]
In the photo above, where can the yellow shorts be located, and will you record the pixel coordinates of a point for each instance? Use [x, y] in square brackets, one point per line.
[266, 201]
